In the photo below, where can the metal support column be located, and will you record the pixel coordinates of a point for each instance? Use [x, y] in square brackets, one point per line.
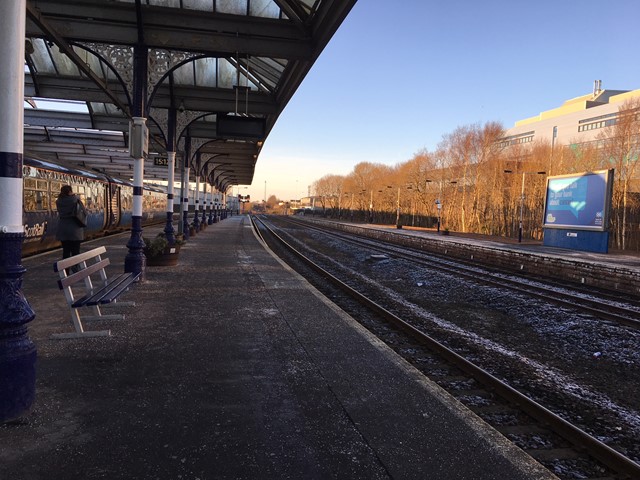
[17, 351]
[196, 196]
[135, 261]
[169, 231]
[185, 186]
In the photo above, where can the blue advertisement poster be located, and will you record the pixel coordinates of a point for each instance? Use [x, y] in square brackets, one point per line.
[579, 201]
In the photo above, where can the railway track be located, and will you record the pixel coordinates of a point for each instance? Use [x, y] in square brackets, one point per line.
[564, 448]
[600, 304]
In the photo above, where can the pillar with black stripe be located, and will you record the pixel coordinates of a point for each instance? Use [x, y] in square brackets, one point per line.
[196, 195]
[17, 351]
[204, 201]
[171, 162]
[211, 206]
[185, 186]
[135, 261]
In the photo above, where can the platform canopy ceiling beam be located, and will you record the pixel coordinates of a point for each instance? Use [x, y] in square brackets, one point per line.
[227, 67]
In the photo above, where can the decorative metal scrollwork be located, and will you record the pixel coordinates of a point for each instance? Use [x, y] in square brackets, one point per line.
[185, 118]
[160, 62]
[119, 57]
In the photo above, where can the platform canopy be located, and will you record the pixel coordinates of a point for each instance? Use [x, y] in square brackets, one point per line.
[227, 68]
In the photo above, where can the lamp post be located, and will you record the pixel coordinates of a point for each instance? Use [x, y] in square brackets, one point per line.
[214, 184]
[398, 223]
[398, 211]
[522, 199]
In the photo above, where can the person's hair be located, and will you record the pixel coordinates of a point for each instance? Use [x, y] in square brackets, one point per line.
[65, 191]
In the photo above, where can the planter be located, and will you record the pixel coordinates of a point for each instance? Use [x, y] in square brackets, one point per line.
[168, 258]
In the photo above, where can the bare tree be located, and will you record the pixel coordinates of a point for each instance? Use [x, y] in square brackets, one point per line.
[620, 148]
[465, 176]
[329, 190]
[419, 175]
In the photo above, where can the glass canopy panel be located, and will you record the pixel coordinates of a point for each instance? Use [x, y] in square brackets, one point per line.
[64, 65]
[264, 9]
[310, 5]
[235, 7]
[205, 69]
[202, 5]
[41, 57]
[226, 74]
[94, 63]
[111, 109]
[183, 75]
[268, 70]
[98, 108]
[165, 3]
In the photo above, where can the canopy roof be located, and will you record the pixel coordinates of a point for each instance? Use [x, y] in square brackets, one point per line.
[226, 67]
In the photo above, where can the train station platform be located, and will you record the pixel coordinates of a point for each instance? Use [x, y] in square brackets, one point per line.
[231, 366]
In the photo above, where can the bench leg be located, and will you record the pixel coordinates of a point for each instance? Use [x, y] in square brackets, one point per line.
[79, 328]
[118, 304]
[99, 316]
[96, 333]
[115, 316]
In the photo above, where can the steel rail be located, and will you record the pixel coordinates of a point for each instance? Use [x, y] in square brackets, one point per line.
[471, 272]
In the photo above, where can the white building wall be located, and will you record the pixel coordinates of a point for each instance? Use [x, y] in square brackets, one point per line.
[579, 126]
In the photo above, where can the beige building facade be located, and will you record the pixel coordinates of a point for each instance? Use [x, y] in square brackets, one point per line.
[578, 120]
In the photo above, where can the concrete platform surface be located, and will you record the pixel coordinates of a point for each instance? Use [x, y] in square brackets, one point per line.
[231, 366]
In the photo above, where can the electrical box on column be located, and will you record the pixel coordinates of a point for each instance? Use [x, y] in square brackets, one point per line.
[138, 137]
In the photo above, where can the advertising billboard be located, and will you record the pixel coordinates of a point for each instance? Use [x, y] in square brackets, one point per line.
[579, 201]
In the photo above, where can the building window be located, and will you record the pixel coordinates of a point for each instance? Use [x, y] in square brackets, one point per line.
[595, 125]
[526, 137]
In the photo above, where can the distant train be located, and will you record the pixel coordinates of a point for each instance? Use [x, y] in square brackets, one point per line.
[109, 203]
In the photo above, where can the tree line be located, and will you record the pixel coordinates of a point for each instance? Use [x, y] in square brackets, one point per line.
[473, 182]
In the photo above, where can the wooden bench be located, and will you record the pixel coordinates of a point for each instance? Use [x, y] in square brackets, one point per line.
[81, 292]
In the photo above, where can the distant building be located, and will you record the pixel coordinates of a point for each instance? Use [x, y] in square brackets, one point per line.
[578, 120]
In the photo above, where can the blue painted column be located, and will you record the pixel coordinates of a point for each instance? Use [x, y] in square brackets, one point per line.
[169, 231]
[171, 164]
[211, 207]
[17, 351]
[185, 187]
[218, 200]
[204, 202]
[196, 196]
[135, 261]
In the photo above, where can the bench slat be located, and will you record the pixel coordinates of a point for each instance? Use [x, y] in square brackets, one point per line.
[82, 274]
[94, 296]
[120, 285]
[76, 259]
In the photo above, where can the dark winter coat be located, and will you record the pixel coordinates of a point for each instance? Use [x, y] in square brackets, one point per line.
[68, 228]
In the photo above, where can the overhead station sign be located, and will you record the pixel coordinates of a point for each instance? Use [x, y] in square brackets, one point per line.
[579, 201]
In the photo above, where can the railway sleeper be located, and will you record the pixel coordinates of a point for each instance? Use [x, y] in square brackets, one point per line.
[494, 408]
[532, 429]
[548, 454]
[472, 393]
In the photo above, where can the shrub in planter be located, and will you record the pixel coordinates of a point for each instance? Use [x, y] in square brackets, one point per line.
[156, 246]
[160, 253]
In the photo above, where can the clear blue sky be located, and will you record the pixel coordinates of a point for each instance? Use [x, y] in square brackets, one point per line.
[398, 75]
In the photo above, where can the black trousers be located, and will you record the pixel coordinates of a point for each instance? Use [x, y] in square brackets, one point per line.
[70, 248]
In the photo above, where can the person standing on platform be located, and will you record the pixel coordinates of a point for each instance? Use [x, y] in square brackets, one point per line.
[71, 222]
